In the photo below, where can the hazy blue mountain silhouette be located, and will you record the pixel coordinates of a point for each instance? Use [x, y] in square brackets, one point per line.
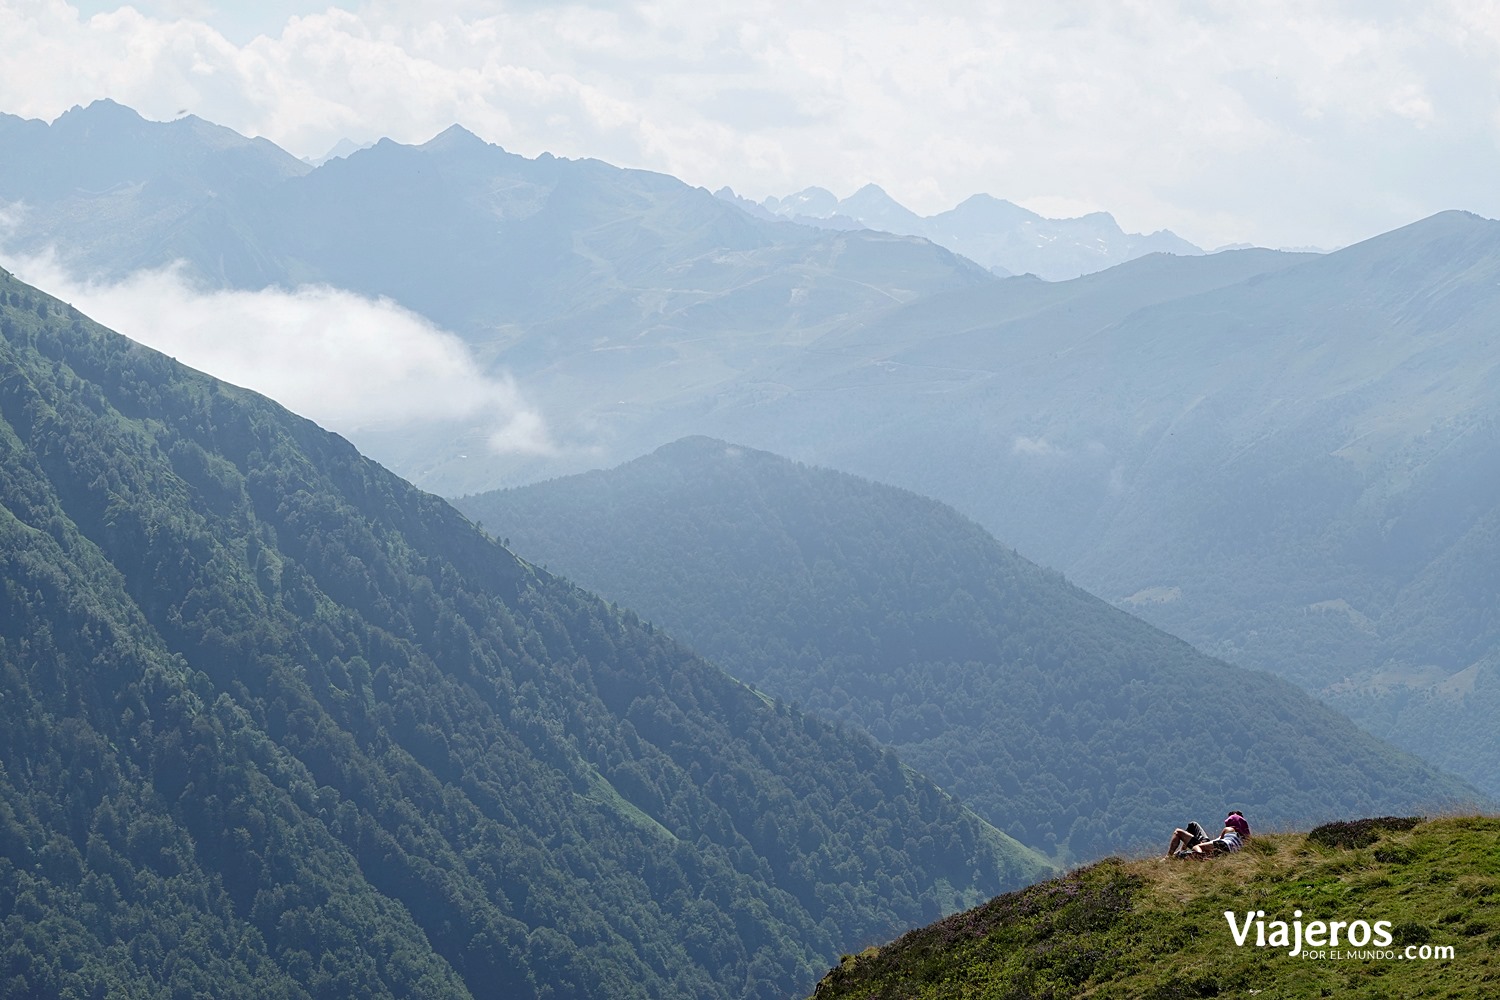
[1003, 236]
[1293, 468]
[605, 290]
[476, 238]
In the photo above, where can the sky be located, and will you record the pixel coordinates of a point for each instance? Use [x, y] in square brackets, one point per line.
[1283, 124]
[1275, 123]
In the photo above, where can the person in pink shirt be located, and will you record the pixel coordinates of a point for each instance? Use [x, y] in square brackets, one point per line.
[1193, 842]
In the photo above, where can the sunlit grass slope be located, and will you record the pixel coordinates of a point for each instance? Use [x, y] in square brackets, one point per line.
[1157, 929]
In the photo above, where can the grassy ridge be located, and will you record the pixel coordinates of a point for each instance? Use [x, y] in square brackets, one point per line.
[1156, 929]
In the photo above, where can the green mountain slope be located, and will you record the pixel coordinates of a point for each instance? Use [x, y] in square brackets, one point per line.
[275, 723]
[1065, 721]
[1428, 894]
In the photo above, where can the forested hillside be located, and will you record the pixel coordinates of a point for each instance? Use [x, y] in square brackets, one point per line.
[1073, 725]
[1296, 469]
[275, 723]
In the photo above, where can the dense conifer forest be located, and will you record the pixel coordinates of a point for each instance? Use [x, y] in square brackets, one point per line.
[275, 723]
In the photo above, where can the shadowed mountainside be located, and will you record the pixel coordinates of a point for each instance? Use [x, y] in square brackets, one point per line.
[276, 723]
[1074, 726]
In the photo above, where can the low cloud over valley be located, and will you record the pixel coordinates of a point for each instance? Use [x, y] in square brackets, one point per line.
[349, 362]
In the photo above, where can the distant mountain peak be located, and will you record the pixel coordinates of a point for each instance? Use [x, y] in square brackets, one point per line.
[1440, 231]
[101, 112]
[998, 234]
[104, 106]
[984, 198]
[1453, 219]
[872, 206]
[340, 150]
[454, 137]
[813, 202]
[695, 447]
[995, 211]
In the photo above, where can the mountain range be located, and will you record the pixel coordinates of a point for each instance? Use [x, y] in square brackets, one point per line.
[1070, 724]
[608, 293]
[276, 723]
[604, 290]
[1003, 236]
[1286, 459]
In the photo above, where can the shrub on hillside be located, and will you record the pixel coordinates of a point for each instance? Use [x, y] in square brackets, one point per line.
[1360, 832]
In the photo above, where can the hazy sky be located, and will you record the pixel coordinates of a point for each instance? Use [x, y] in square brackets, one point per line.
[1281, 123]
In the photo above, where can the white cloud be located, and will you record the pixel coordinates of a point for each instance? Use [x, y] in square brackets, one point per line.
[10, 219]
[348, 362]
[1023, 445]
[1279, 122]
